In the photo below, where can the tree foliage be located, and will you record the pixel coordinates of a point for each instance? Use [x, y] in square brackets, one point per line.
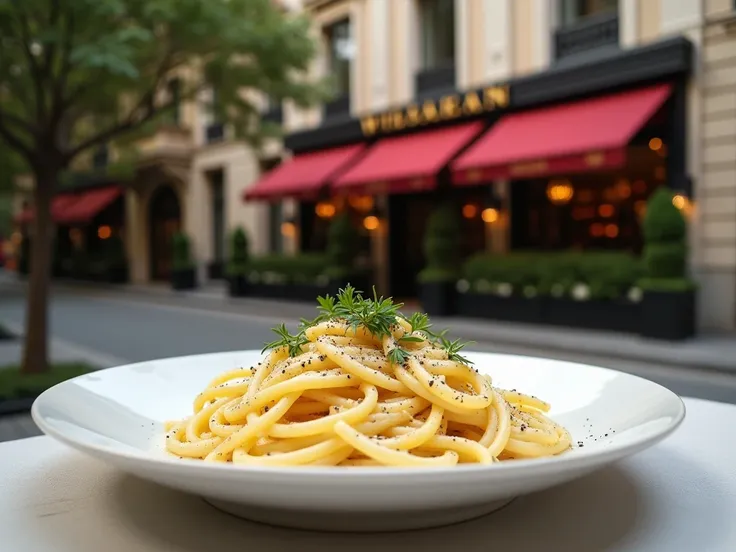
[78, 73]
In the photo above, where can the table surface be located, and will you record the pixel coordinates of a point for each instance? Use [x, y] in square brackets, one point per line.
[678, 495]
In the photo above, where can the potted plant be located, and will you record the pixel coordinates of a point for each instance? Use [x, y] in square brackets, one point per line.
[668, 308]
[593, 289]
[442, 250]
[501, 287]
[183, 271]
[342, 241]
[238, 266]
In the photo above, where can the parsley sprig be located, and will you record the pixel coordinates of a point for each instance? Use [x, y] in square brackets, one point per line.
[378, 315]
[293, 343]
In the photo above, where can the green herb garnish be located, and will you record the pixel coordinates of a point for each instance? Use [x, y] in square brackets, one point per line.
[378, 315]
[293, 343]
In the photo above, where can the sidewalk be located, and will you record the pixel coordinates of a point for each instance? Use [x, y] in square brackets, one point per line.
[20, 426]
[705, 352]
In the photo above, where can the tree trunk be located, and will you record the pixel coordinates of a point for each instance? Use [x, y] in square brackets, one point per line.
[35, 353]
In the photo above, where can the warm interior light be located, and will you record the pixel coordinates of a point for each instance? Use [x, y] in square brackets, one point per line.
[470, 211]
[104, 232]
[489, 215]
[606, 210]
[288, 229]
[640, 208]
[559, 192]
[611, 230]
[371, 222]
[325, 209]
[655, 144]
[16, 238]
[680, 201]
[623, 188]
[361, 203]
[660, 173]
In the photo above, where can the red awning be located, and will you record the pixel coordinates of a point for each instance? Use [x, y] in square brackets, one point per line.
[407, 163]
[88, 204]
[572, 137]
[304, 175]
[59, 206]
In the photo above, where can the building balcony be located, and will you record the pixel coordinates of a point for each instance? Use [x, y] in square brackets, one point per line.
[435, 79]
[167, 142]
[593, 33]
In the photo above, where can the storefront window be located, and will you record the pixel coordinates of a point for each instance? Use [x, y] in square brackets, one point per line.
[437, 19]
[341, 53]
[573, 11]
[592, 211]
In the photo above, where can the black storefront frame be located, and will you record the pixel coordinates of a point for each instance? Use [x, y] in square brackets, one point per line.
[665, 61]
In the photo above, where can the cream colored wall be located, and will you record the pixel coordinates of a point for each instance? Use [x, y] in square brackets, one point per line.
[241, 170]
[716, 189]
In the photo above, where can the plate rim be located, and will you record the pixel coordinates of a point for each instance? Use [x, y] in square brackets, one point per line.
[517, 468]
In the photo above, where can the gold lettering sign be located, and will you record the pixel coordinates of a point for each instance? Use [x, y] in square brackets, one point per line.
[369, 125]
[495, 96]
[412, 116]
[386, 122]
[398, 120]
[447, 108]
[429, 112]
[450, 107]
[472, 104]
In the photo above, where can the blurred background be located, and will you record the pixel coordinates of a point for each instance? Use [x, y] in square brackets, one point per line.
[546, 177]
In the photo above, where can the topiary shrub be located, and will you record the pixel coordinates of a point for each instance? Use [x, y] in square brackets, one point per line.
[182, 259]
[665, 243]
[342, 241]
[442, 245]
[238, 265]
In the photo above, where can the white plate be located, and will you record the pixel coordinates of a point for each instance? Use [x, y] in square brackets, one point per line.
[117, 415]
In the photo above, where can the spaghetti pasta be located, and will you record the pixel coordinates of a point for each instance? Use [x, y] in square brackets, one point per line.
[363, 385]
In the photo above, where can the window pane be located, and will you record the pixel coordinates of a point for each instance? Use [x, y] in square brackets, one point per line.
[573, 11]
[437, 19]
[341, 52]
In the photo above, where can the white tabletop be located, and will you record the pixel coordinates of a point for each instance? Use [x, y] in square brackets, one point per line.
[679, 495]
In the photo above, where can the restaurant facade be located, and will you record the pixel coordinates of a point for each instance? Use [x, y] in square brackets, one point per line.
[549, 124]
[546, 145]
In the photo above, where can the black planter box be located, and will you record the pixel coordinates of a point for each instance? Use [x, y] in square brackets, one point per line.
[238, 286]
[306, 292]
[185, 278]
[493, 307]
[268, 291]
[617, 316]
[668, 315]
[437, 298]
[215, 270]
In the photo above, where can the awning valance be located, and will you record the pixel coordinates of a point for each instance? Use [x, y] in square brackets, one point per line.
[304, 175]
[406, 163]
[89, 204]
[590, 134]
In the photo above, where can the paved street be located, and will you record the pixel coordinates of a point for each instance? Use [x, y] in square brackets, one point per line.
[121, 326]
